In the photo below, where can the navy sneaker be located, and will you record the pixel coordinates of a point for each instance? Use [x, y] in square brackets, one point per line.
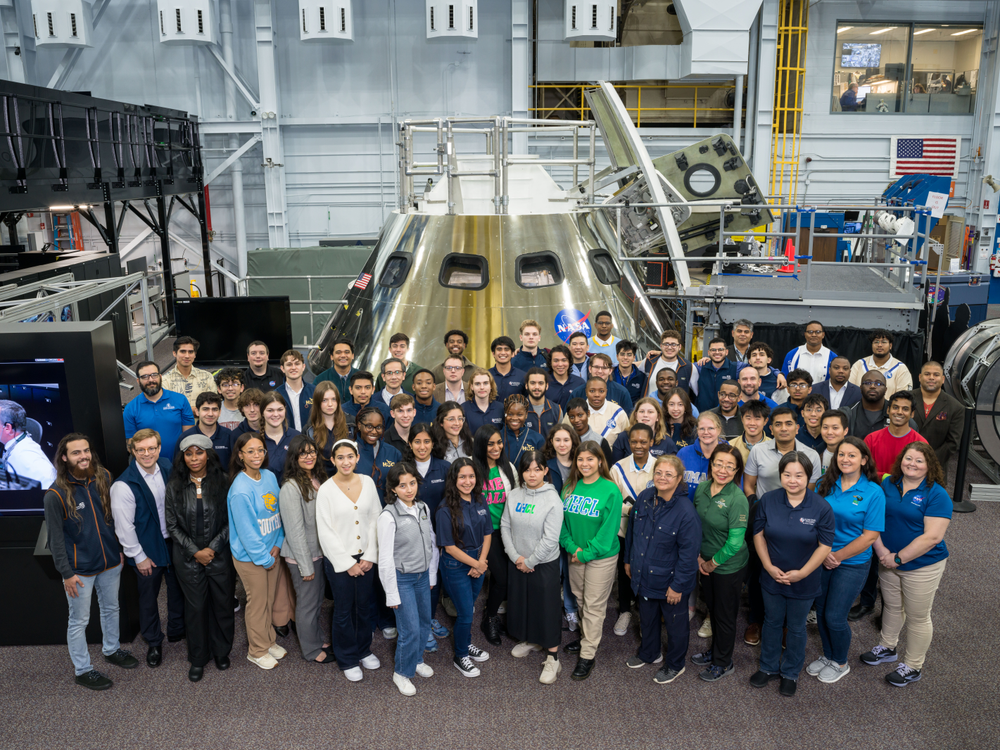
[703, 659]
[879, 655]
[438, 630]
[432, 645]
[93, 680]
[902, 676]
[715, 672]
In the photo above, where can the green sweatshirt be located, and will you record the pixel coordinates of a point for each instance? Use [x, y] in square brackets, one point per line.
[723, 526]
[591, 516]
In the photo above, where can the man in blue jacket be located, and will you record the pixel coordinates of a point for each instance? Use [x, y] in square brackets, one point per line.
[543, 414]
[718, 369]
[298, 395]
[600, 367]
[137, 505]
[86, 554]
[167, 412]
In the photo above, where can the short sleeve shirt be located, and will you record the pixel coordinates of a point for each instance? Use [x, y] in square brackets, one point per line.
[859, 509]
[792, 536]
[904, 519]
[476, 526]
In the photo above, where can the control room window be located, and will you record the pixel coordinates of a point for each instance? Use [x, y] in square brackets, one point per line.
[538, 270]
[460, 271]
[890, 68]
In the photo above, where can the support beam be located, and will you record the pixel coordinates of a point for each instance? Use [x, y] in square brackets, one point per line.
[58, 79]
[520, 70]
[169, 293]
[136, 241]
[274, 168]
[231, 72]
[232, 158]
[12, 41]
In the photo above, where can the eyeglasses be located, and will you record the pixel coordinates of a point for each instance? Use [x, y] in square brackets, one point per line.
[871, 383]
[665, 475]
[724, 467]
[813, 333]
[881, 341]
[146, 451]
[144, 378]
[308, 454]
[799, 385]
[253, 451]
[453, 368]
[454, 419]
[372, 427]
[393, 372]
[670, 345]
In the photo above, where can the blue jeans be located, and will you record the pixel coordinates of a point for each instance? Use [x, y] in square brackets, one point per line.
[106, 584]
[352, 630]
[840, 587]
[569, 601]
[779, 612]
[413, 620]
[463, 590]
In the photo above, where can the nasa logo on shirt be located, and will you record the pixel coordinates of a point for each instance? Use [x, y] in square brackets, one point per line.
[917, 499]
[649, 484]
[857, 499]
[482, 511]
[273, 383]
[168, 407]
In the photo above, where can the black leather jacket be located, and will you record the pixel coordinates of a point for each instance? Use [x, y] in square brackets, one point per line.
[181, 510]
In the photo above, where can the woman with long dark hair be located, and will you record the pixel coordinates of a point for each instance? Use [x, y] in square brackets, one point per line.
[327, 421]
[464, 530]
[301, 550]
[407, 564]
[559, 451]
[679, 416]
[197, 519]
[451, 433]
[852, 488]
[530, 531]
[499, 477]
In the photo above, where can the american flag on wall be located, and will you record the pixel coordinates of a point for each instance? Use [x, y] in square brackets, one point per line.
[937, 156]
[362, 281]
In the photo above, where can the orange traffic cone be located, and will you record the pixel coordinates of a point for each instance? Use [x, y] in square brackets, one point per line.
[790, 255]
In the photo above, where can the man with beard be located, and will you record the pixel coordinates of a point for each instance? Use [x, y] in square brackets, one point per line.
[455, 343]
[749, 382]
[167, 412]
[543, 413]
[940, 418]
[86, 554]
[839, 391]
[869, 414]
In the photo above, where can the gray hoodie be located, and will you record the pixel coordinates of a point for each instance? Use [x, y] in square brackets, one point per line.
[531, 524]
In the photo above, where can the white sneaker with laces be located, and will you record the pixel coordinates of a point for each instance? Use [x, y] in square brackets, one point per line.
[477, 654]
[705, 631]
[550, 670]
[424, 670]
[278, 652]
[354, 674]
[624, 620]
[264, 662]
[404, 685]
[523, 649]
[371, 662]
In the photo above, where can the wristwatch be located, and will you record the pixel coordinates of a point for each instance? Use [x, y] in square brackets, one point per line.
[897, 560]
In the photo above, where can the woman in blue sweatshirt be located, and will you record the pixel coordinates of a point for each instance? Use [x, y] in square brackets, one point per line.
[375, 456]
[517, 436]
[255, 538]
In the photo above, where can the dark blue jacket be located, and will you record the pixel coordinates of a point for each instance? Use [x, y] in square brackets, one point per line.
[222, 442]
[550, 416]
[516, 445]
[524, 362]
[425, 413]
[278, 452]
[662, 544]
[561, 393]
[709, 380]
[377, 465]
[85, 546]
[512, 382]
[476, 418]
[555, 476]
[432, 485]
[852, 395]
[305, 401]
[352, 409]
[622, 448]
[635, 383]
[616, 393]
[147, 518]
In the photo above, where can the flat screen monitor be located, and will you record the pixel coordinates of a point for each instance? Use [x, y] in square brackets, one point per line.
[860, 55]
[33, 403]
[225, 326]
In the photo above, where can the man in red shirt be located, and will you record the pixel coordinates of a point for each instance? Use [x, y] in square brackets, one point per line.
[886, 444]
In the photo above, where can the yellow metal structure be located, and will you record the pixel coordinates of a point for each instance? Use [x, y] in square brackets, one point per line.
[786, 127]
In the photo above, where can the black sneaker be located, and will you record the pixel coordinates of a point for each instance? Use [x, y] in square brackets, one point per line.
[666, 674]
[464, 665]
[703, 659]
[122, 658]
[715, 672]
[477, 654]
[902, 676]
[94, 680]
[760, 678]
[879, 655]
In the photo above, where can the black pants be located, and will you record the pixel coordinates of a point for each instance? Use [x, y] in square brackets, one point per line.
[721, 593]
[208, 607]
[625, 597]
[869, 592]
[496, 563]
[753, 573]
[675, 618]
[149, 608]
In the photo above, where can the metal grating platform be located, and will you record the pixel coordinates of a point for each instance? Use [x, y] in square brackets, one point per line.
[862, 284]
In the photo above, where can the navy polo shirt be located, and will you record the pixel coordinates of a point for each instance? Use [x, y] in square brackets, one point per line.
[425, 413]
[635, 383]
[222, 442]
[352, 409]
[524, 361]
[560, 393]
[792, 536]
[476, 417]
[904, 519]
[277, 452]
[512, 382]
[432, 484]
[169, 415]
[477, 525]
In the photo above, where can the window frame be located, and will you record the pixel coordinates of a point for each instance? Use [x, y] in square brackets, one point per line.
[597, 271]
[522, 259]
[484, 263]
[407, 259]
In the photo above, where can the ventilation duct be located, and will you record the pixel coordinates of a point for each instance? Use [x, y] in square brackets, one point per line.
[590, 20]
[326, 20]
[459, 18]
[62, 23]
[186, 21]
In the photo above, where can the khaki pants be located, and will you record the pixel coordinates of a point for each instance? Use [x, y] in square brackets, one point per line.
[260, 585]
[907, 596]
[591, 584]
[283, 608]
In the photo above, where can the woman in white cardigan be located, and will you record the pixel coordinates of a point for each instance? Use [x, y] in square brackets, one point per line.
[347, 509]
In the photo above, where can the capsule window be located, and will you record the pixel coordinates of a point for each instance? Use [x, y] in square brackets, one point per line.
[538, 269]
[461, 271]
[396, 268]
[604, 267]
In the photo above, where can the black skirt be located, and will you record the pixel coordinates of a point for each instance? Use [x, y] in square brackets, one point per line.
[534, 605]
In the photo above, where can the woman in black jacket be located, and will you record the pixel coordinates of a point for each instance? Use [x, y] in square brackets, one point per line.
[198, 522]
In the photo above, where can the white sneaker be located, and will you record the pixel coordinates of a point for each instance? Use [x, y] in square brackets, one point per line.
[818, 666]
[550, 670]
[705, 631]
[389, 633]
[424, 670]
[371, 662]
[690, 613]
[404, 685]
[624, 620]
[278, 652]
[477, 654]
[811, 617]
[354, 674]
[833, 672]
[264, 662]
[523, 649]
[502, 609]
[572, 621]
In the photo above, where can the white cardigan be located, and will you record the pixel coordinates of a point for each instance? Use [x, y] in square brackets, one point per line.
[346, 528]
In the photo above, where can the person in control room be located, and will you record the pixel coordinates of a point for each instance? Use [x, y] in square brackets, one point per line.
[22, 456]
[167, 412]
[184, 378]
[259, 374]
[849, 99]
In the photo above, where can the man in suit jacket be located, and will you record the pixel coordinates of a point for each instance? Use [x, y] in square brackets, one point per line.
[940, 418]
[839, 391]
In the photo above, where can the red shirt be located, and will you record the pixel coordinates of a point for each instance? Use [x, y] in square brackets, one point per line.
[885, 447]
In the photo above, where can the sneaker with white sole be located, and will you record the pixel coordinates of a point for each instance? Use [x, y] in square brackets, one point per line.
[818, 666]
[572, 621]
[390, 634]
[432, 645]
[264, 662]
[624, 620]
[404, 685]
[550, 670]
[477, 654]
[705, 631]
[502, 609]
[523, 649]
[833, 672]
[634, 662]
[667, 675]
[902, 676]
[464, 665]
[811, 617]
[425, 670]
[438, 630]
[371, 662]
[354, 674]
[879, 655]
[278, 652]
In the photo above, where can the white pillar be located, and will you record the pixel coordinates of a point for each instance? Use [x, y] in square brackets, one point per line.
[274, 169]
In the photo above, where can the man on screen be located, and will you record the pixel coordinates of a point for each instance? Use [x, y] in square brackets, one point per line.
[22, 456]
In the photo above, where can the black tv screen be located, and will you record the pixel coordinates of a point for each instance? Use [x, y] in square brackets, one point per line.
[39, 388]
[225, 326]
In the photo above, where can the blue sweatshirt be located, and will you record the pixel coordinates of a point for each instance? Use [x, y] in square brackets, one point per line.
[515, 445]
[84, 546]
[425, 413]
[695, 464]
[377, 465]
[662, 544]
[524, 361]
[254, 521]
[635, 383]
[561, 393]
[550, 416]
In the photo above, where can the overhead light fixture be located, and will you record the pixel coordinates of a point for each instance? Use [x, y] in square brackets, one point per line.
[967, 31]
[842, 29]
[923, 31]
[882, 31]
[80, 207]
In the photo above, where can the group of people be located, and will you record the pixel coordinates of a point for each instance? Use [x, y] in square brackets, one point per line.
[554, 474]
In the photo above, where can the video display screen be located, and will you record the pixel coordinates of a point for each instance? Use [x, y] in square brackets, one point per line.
[860, 55]
[34, 416]
[225, 326]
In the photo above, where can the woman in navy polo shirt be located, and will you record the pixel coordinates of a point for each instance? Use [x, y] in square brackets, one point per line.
[793, 533]
[851, 487]
[464, 530]
[481, 403]
[277, 433]
[912, 555]
[695, 456]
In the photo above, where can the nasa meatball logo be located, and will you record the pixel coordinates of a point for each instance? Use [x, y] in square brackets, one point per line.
[569, 321]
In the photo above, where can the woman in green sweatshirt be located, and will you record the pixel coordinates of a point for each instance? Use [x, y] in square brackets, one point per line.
[592, 509]
[723, 509]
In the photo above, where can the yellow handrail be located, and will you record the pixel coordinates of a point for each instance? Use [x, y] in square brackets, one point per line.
[793, 29]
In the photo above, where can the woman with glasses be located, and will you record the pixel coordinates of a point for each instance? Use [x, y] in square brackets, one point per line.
[695, 456]
[451, 433]
[255, 539]
[327, 422]
[723, 556]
